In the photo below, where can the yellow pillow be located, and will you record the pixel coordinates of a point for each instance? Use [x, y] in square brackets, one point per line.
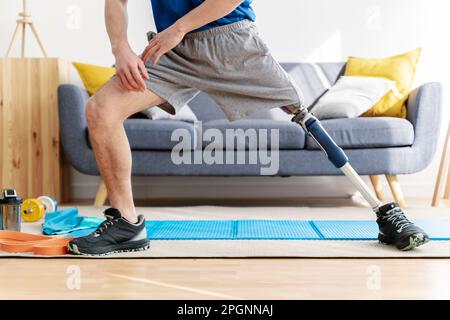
[400, 69]
[94, 77]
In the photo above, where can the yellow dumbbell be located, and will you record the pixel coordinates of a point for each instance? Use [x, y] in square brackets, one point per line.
[32, 210]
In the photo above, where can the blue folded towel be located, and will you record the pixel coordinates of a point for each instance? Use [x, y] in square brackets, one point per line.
[68, 221]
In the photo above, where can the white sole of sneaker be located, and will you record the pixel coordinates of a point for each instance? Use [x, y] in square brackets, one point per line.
[73, 248]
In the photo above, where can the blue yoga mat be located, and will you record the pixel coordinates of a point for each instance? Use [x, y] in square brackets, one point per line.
[190, 229]
[231, 230]
[275, 229]
[279, 229]
[69, 222]
[368, 230]
[347, 230]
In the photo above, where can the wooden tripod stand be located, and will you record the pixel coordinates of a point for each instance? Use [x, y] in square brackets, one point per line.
[22, 22]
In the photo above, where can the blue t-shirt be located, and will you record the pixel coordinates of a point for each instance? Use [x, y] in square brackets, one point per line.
[166, 12]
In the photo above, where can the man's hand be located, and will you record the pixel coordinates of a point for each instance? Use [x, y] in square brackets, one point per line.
[130, 70]
[208, 11]
[162, 43]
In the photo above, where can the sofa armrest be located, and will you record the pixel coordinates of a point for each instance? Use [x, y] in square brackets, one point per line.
[72, 122]
[425, 113]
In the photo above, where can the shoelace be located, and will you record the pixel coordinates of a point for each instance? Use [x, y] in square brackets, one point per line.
[103, 226]
[397, 218]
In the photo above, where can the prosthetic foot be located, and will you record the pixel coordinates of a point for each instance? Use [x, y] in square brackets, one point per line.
[395, 228]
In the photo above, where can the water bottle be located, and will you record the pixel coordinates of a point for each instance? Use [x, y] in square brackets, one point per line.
[10, 210]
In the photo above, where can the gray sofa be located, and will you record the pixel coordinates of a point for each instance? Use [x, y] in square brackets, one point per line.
[375, 146]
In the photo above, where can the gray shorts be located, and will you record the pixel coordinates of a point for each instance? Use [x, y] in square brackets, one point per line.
[231, 64]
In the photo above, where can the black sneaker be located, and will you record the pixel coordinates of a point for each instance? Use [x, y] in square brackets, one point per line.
[114, 235]
[396, 229]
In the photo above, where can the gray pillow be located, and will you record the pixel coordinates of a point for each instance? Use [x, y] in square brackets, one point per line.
[350, 97]
[272, 114]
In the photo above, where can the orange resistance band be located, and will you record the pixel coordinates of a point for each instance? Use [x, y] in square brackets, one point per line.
[13, 241]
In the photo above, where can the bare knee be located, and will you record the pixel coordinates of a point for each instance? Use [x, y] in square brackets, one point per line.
[93, 114]
[100, 114]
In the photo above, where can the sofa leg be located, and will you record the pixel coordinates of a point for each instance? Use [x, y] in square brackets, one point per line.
[396, 190]
[102, 195]
[444, 166]
[377, 187]
[447, 187]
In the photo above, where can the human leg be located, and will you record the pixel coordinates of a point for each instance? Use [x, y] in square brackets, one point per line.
[105, 112]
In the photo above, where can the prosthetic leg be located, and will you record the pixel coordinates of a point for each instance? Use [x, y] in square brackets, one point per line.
[335, 154]
[395, 228]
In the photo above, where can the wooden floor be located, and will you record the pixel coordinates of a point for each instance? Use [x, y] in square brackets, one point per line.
[225, 278]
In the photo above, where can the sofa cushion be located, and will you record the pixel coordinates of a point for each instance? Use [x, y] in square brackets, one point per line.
[291, 135]
[146, 134]
[364, 133]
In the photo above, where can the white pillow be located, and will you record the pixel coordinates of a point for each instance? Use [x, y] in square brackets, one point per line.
[350, 97]
[184, 114]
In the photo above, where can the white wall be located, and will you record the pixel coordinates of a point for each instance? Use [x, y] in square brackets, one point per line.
[300, 30]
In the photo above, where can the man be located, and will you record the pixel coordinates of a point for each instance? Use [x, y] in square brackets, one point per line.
[209, 45]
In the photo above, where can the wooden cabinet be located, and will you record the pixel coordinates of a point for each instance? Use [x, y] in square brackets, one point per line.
[31, 158]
